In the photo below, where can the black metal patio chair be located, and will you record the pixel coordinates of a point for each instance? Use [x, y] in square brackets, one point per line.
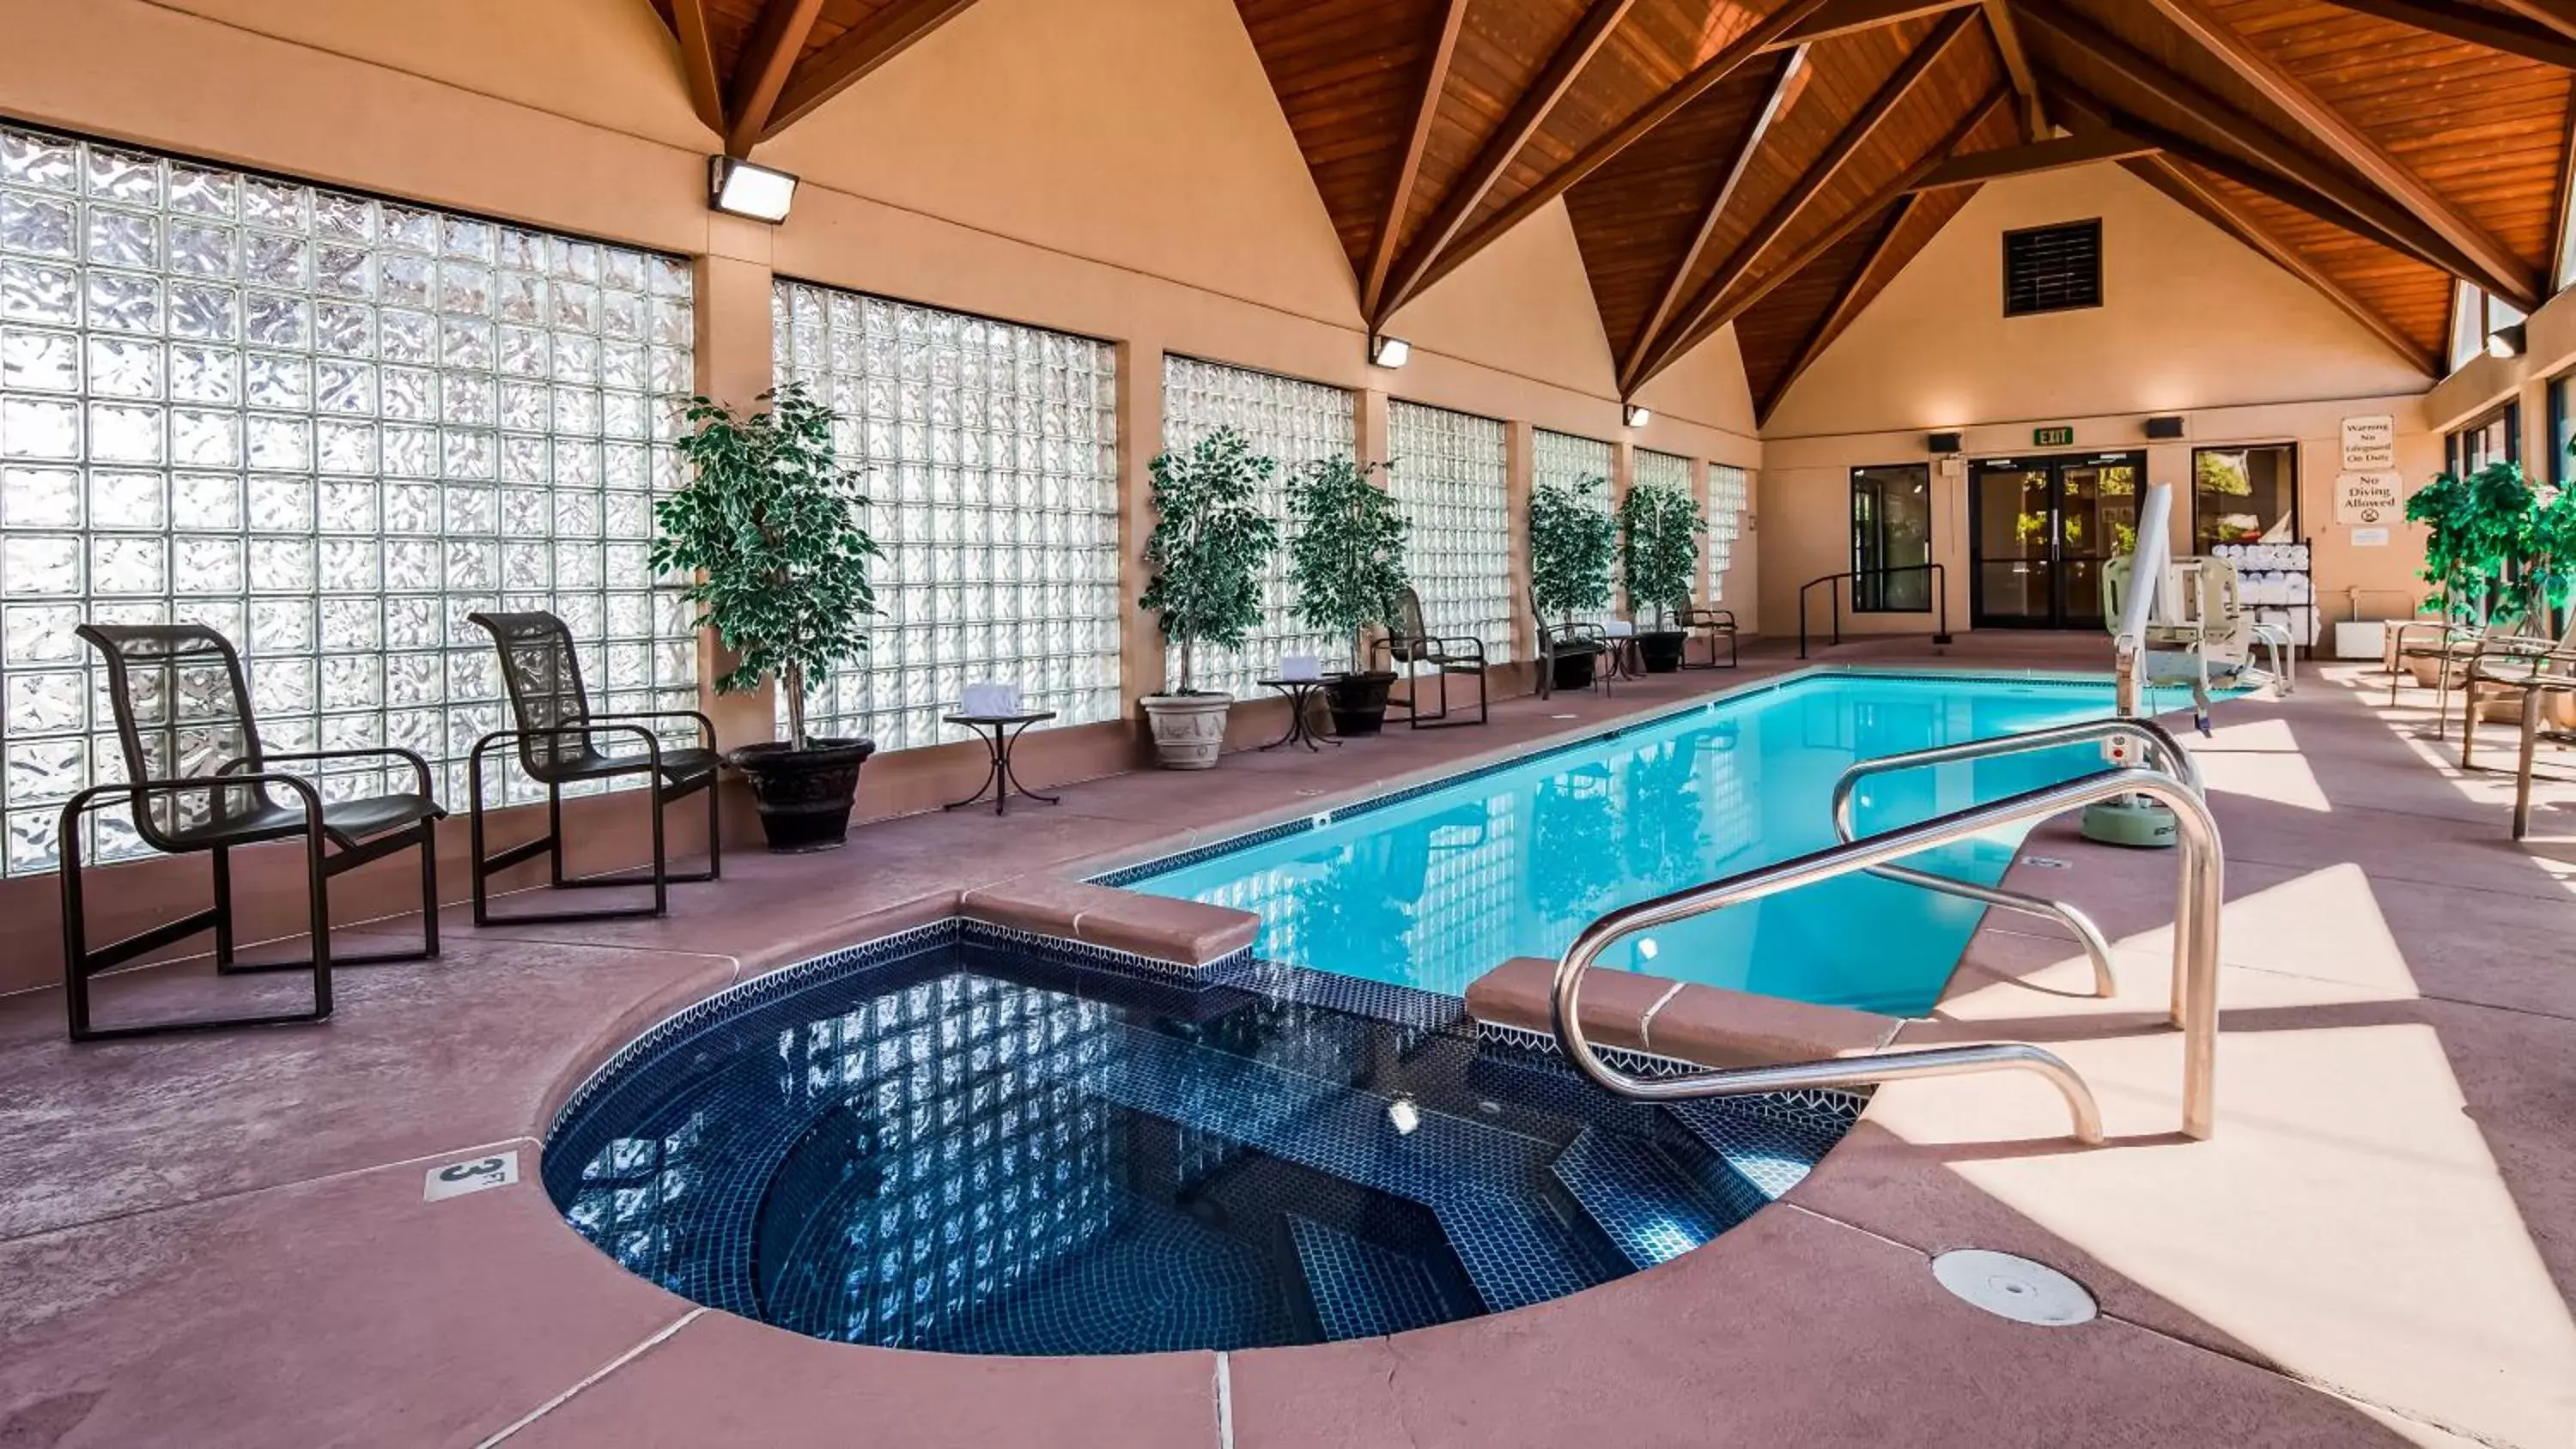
[557, 736]
[1710, 625]
[1410, 645]
[1569, 639]
[199, 780]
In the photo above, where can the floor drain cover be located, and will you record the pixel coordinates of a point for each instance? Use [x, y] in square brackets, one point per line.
[2014, 1288]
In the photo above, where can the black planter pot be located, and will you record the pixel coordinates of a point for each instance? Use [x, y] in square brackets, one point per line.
[1661, 651]
[1574, 671]
[804, 795]
[1358, 702]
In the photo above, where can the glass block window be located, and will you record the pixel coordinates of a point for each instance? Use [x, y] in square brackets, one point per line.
[330, 426]
[1729, 495]
[990, 460]
[1565, 460]
[1448, 474]
[1650, 469]
[1295, 422]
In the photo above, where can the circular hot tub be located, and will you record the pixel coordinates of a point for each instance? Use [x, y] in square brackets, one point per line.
[956, 1142]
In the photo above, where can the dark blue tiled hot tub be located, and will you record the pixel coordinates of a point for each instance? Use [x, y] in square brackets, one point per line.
[961, 1141]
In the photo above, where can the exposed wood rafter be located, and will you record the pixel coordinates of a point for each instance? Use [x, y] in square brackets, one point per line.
[2349, 144]
[2558, 15]
[1846, 305]
[2179, 182]
[1805, 256]
[856, 53]
[698, 62]
[1527, 114]
[2374, 211]
[1784, 91]
[1651, 348]
[1399, 205]
[2059, 154]
[1849, 17]
[2007, 34]
[2477, 25]
[1765, 36]
[760, 72]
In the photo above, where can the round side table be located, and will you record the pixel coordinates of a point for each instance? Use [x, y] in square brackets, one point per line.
[1004, 732]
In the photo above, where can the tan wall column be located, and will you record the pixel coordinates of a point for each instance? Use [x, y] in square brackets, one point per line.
[733, 367]
[1140, 437]
[1374, 428]
[1623, 476]
[1520, 479]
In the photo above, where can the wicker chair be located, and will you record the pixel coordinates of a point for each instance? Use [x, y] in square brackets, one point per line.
[1710, 625]
[1410, 644]
[557, 737]
[1567, 640]
[199, 780]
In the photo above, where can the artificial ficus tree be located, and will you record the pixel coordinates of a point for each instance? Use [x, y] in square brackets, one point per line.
[1347, 555]
[1209, 544]
[1571, 543]
[1659, 533]
[768, 528]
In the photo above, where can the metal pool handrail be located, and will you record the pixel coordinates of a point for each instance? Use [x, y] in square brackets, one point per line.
[2195, 992]
[2177, 762]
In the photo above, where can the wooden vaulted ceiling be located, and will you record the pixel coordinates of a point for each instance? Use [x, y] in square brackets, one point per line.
[1773, 164]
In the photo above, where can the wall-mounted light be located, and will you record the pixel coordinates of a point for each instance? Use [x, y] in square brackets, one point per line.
[1387, 351]
[2505, 341]
[738, 188]
[1638, 417]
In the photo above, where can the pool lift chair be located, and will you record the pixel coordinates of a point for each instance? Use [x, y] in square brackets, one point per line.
[199, 780]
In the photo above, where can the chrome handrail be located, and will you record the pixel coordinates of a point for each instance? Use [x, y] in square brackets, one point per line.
[2177, 762]
[2195, 995]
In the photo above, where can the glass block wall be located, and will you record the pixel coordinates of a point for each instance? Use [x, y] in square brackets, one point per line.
[990, 460]
[1729, 494]
[1295, 422]
[329, 426]
[1447, 472]
[1564, 460]
[1651, 469]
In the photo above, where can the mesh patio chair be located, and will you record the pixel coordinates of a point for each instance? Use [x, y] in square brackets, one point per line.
[1710, 625]
[1410, 645]
[1568, 640]
[557, 736]
[199, 780]
[2539, 674]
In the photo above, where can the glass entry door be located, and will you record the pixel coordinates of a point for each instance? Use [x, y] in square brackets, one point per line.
[2041, 529]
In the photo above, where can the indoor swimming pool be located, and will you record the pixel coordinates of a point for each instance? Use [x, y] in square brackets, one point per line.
[1436, 885]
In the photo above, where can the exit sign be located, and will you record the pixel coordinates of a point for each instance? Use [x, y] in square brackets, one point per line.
[2052, 437]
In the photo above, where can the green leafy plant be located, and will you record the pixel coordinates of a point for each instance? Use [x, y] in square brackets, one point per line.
[2495, 552]
[768, 525]
[1659, 533]
[1347, 555]
[1571, 542]
[1209, 544]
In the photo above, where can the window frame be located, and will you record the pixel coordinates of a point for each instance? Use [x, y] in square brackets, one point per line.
[1874, 600]
[2298, 530]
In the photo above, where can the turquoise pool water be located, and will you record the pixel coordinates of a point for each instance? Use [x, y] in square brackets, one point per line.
[1436, 889]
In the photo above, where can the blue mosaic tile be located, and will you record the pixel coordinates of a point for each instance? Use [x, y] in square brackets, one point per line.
[1360, 1290]
[1652, 1213]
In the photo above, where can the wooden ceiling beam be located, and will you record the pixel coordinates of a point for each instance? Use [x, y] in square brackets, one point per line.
[760, 72]
[2349, 144]
[2214, 206]
[1426, 109]
[2558, 15]
[2007, 35]
[1765, 36]
[1725, 310]
[2370, 211]
[2477, 25]
[857, 53]
[2058, 154]
[1849, 17]
[1527, 114]
[1855, 133]
[1784, 92]
[1845, 306]
[698, 62]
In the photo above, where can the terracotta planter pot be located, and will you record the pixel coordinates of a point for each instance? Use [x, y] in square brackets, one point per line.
[804, 796]
[1189, 729]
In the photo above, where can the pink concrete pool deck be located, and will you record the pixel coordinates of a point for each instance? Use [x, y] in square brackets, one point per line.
[223, 1240]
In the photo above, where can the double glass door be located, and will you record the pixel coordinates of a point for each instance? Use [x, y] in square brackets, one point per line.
[2042, 528]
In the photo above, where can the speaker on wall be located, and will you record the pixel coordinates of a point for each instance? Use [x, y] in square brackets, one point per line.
[1945, 442]
[2167, 427]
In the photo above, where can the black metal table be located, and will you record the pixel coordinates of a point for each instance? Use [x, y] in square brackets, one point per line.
[1301, 694]
[1006, 730]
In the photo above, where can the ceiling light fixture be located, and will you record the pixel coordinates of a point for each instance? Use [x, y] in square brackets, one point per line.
[738, 188]
[2505, 341]
[1387, 351]
[1638, 417]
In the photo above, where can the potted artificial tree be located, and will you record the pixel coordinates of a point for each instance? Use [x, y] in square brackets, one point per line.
[1347, 561]
[1207, 550]
[1659, 532]
[1571, 540]
[768, 526]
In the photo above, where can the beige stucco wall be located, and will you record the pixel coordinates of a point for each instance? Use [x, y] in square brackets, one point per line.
[2193, 324]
